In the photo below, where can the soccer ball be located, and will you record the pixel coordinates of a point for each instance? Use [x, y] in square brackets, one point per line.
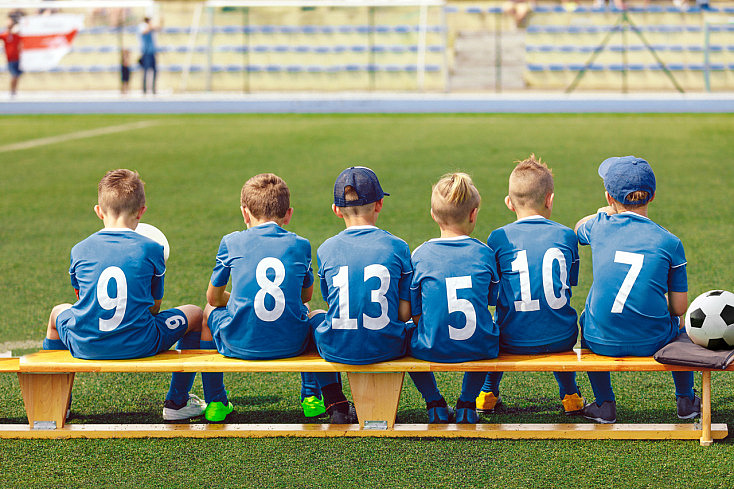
[152, 232]
[710, 320]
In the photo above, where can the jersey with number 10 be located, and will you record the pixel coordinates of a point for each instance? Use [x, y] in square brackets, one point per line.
[119, 274]
[364, 272]
[269, 266]
[538, 262]
[453, 283]
[635, 263]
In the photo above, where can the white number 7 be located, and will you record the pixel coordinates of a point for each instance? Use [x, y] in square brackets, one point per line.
[635, 261]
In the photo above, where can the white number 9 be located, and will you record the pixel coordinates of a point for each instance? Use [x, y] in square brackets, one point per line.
[106, 302]
[175, 321]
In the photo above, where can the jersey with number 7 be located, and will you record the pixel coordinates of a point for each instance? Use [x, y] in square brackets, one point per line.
[364, 271]
[635, 263]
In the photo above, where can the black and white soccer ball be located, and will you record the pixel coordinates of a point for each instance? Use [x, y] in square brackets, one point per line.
[710, 320]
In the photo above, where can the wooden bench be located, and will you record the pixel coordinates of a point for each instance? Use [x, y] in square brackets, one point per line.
[9, 365]
[46, 378]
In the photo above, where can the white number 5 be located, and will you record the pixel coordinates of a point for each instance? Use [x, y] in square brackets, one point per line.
[460, 305]
[635, 261]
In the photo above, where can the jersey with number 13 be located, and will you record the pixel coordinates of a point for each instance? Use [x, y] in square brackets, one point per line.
[364, 272]
[635, 263]
[119, 274]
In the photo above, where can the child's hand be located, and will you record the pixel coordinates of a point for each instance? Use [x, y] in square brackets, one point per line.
[609, 210]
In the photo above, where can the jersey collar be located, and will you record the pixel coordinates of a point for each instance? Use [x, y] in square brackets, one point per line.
[452, 238]
[264, 224]
[534, 217]
[363, 226]
[634, 214]
[115, 230]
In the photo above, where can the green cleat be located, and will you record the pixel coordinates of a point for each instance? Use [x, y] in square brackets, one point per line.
[215, 412]
[313, 406]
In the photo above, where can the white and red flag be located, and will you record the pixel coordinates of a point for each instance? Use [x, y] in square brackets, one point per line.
[46, 39]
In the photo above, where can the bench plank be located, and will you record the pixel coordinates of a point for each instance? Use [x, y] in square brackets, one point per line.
[58, 361]
[9, 364]
[587, 431]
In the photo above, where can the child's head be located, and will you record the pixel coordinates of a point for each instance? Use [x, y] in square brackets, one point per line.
[356, 191]
[531, 186]
[125, 56]
[628, 180]
[266, 197]
[121, 193]
[454, 202]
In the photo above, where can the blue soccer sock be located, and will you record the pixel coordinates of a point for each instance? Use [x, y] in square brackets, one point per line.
[213, 381]
[601, 384]
[309, 385]
[471, 386]
[683, 384]
[425, 382]
[566, 383]
[181, 382]
[49, 344]
[492, 383]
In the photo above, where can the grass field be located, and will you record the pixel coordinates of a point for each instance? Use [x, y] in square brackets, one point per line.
[194, 167]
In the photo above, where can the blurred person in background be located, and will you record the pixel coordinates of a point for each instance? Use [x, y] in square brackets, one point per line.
[11, 39]
[148, 52]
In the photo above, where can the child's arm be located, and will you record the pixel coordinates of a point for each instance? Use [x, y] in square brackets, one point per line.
[404, 311]
[156, 307]
[306, 293]
[608, 210]
[677, 303]
[217, 296]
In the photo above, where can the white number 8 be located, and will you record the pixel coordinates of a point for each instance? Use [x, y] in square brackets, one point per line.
[271, 288]
[119, 303]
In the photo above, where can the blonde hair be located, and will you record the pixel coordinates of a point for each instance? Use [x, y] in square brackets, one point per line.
[530, 182]
[350, 195]
[636, 196]
[121, 192]
[453, 198]
[266, 196]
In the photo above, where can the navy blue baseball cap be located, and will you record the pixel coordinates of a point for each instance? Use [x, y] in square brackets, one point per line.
[363, 181]
[626, 174]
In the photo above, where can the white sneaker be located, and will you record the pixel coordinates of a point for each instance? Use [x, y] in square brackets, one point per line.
[194, 407]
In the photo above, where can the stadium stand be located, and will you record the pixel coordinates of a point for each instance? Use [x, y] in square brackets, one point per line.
[46, 379]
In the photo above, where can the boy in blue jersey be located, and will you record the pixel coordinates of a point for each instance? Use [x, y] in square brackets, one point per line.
[265, 316]
[118, 278]
[453, 282]
[635, 263]
[538, 262]
[365, 275]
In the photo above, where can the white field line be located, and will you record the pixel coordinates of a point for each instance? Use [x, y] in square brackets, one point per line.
[19, 345]
[34, 143]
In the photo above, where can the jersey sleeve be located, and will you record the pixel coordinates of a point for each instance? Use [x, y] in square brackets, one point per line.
[573, 275]
[220, 274]
[322, 277]
[677, 276]
[72, 273]
[494, 286]
[406, 277]
[159, 271]
[584, 231]
[308, 279]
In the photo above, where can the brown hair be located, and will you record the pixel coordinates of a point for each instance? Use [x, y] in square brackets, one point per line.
[266, 196]
[351, 195]
[530, 182]
[121, 192]
[636, 196]
[453, 198]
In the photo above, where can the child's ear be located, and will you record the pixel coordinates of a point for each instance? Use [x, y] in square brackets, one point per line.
[549, 200]
[651, 198]
[433, 216]
[508, 203]
[140, 213]
[98, 210]
[288, 216]
[378, 205]
[473, 215]
[610, 199]
[337, 211]
[245, 214]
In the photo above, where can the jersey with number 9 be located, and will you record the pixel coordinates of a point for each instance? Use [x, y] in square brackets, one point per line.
[364, 272]
[635, 263]
[453, 286]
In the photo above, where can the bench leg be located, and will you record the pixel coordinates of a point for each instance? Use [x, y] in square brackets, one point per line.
[376, 396]
[46, 397]
[706, 439]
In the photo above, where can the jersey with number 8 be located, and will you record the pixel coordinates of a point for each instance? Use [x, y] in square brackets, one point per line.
[364, 272]
[635, 263]
[453, 285]
[538, 263]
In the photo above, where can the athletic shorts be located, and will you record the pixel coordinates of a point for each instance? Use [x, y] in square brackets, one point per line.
[632, 350]
[170, 326]
[14, 68]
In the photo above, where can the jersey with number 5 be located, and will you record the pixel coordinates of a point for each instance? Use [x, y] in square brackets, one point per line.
[538, 263]
[635, 263]
[453, 283]
[119, 274]
[364, 272]
[269, 266]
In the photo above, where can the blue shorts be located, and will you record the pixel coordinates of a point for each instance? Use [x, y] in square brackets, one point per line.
[630, 350]
[14, 68]
[555, 347]
[170, 326]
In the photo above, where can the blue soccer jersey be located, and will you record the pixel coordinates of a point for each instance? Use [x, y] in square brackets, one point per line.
[266, 317]
[635, 263]
[538, 262]
[119, 274]
[453, 281]
[364, 271]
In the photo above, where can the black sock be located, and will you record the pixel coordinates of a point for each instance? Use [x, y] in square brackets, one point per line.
[466, 404]
[334, 398]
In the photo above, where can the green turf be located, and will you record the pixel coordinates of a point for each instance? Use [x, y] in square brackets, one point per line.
[194, 167]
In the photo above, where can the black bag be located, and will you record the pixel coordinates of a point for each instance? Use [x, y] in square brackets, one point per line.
[682, 351]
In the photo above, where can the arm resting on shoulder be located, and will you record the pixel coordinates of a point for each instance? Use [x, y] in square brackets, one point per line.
[404, 310]
[678, 303]
[306, 294]
[156, 307]
[217, 296]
